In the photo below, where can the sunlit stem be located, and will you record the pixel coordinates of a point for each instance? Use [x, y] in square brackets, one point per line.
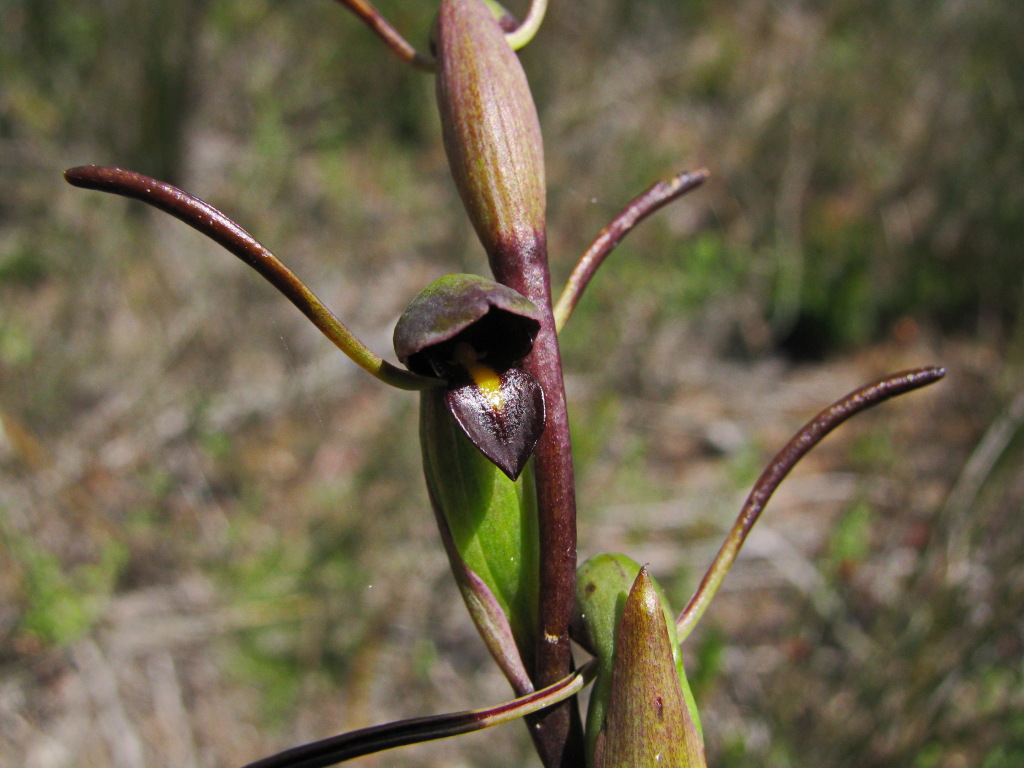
[222, 230]
[401, 47]
[378, 738]
[524, 32]
[654, 198]
[804, 440]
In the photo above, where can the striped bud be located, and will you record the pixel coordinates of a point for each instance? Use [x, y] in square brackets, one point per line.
[491, 131]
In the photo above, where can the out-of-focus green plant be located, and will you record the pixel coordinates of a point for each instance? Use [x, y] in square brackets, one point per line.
[62, 603]
[497, 455]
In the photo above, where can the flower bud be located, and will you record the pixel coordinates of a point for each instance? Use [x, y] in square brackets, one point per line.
[641, 709]
[490, 126]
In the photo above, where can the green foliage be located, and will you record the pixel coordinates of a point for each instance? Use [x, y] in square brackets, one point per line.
[25, 266]
[62, 603]
[492, 519]
[709, 661]
[850, 537]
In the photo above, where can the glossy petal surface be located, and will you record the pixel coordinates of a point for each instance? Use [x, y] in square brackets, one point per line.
[503, 418]
[499, 323]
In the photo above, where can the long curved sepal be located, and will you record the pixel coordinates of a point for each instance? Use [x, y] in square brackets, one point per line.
[206, 219]
[812, 433]
[652, 199]
[391, 37]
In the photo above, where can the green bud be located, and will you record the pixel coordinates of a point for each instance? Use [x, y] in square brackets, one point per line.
[641, 710]
[491, 131]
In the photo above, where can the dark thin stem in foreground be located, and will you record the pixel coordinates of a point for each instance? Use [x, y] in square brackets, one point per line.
[378, 738]
[406, 52]
[225, 232]
[804, 440]
[653, 199]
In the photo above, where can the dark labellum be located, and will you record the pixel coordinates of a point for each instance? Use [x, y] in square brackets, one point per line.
[502, 413]
[473, 333]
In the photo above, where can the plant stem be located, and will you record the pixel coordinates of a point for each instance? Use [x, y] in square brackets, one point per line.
[378, 738]
[524, 32]
[398, 44]
[652, 199]
[557, 731]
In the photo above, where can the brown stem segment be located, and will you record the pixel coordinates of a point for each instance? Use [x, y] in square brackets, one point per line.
[391, 37]
[366, 741]
[812, 433]
[493, 141]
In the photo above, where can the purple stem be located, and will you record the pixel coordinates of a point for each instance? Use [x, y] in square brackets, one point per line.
[366, 741]
[524, 267]
[391, 37]
[653, 199]
[206, 219]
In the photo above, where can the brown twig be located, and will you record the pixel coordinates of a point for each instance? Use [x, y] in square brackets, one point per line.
[526, 271]
[378, 738]
[401, 47]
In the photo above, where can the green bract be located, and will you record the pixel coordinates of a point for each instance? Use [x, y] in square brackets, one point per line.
[492, 519]
[477, 434]
[641, 705]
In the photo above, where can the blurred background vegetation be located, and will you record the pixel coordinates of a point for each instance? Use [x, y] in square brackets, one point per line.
[214, 540]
